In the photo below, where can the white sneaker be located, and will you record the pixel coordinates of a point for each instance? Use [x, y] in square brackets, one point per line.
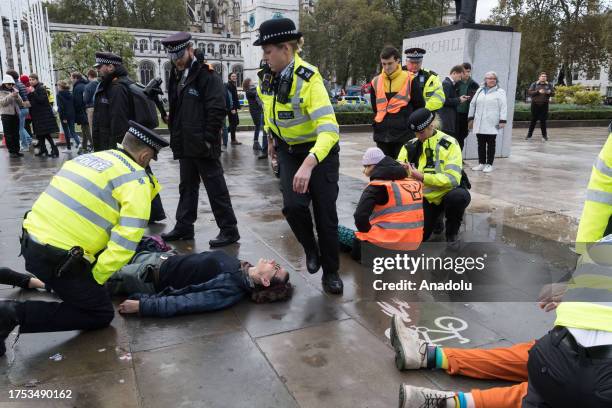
[479, 167]
[410, 350]
[413, 397]
[488, 168]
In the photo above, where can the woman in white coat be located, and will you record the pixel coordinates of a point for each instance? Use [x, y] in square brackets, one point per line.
[486, 116]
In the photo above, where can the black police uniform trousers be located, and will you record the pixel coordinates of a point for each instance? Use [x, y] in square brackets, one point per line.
[210, 171]
[391, 149]
[453, 206]
[322, 192]
[85, 304]
[563, 374]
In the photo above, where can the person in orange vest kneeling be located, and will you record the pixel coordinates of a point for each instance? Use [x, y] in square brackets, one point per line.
[390, 211]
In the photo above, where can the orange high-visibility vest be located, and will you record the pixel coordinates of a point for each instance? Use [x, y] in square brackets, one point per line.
[397, 102]
[398, 224]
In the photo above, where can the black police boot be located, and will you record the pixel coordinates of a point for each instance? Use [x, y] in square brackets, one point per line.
[14, 278]
[225, 237]
[452, 242]
[256, 146]
[177, 235]
[8, 321]
[332, 283]
[313, 262]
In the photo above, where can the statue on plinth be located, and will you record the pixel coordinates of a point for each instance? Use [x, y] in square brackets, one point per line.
[466, 11]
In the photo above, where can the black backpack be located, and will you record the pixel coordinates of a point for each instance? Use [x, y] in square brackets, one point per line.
[142, 108]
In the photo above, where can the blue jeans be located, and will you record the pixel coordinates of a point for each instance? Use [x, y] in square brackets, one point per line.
[24, 136]
[225, 132]
[69, 132]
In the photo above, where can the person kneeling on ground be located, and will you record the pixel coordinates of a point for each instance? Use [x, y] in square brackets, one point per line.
[571, 366]
[434, 158]
[164, 284]
[390, 211]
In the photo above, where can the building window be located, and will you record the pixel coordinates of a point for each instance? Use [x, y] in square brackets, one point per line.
[222, 49]
[610, 72]
[135, 45]
[609, 92]
[167, 70]
[157, 46]
[575, 75]
[202, 47]
[147, 72]
[237, 69]
[210, 49]
[231, 49]
[144, 45]
[218, 69]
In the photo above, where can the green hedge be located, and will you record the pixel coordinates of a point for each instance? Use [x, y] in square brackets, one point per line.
[568, 115]
[357, 118]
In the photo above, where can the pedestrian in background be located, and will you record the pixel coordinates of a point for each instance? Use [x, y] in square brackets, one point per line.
[256, 111]
[233, 114]
[466, 87]
[24, 137]
[65, 108]
[88, 98]
[80, 115]
[25, 80]
[43, 118]
[540, 92]
[487, 115]
[448, 113]
[10, 105]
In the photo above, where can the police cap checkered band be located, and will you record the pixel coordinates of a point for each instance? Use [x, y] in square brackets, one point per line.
[274, 35]
[174, 48]
[415, 53]
[420, 119]
[145, 138]
[105, 61]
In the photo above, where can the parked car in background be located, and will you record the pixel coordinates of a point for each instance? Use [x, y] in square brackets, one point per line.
[243, 99]
[352, 100]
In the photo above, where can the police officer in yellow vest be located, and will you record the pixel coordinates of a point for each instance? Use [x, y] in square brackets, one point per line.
[596, 219]
[300, 117]
[426, 81]
[83, 228]
[394, 98]
[434, 158]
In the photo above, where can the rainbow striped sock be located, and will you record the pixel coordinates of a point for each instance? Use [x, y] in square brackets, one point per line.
[460, 401]
[441, 360]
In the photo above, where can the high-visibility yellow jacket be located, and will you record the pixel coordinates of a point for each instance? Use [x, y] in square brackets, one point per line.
[308, 116]
[433, 92]
[100, 202]
[587, 304]
[442, 169]
[597, 211]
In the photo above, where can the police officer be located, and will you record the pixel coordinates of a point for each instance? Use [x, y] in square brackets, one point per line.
[112, 112]
[111, 102]
[299, 115]
[85, 226]
[428, 82]
[197, 112]
[434, 158]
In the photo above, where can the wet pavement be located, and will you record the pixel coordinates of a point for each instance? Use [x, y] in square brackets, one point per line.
[315, 350]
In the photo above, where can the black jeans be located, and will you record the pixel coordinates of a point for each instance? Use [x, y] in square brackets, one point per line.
[41, 143]
[234, 121]
[322, 192]
[486, 148]
[390, 149]
[563, 375]
[539, 112]
[10, 125]
[461, 128]
[85, 305]
[453, 206]
[210, 172]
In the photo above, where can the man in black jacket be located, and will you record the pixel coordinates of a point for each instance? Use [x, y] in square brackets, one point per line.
[78, 88]
[448, 113]
[197, 112]
[466, 87]
[111, 102]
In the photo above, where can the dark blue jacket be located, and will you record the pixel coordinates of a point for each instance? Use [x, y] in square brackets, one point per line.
[65, 106]
[226, 289]
[79, 103]
[89, 93]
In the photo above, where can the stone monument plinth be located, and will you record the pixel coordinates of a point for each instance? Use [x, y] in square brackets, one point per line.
[487, 48]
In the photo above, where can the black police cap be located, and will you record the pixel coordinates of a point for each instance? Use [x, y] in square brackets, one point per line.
[147, 136]
[276, 31]
[415, 53]
[107, 58]
[176, 44]
[420, 119]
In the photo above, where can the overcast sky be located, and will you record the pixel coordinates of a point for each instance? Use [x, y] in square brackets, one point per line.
[484, 7]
